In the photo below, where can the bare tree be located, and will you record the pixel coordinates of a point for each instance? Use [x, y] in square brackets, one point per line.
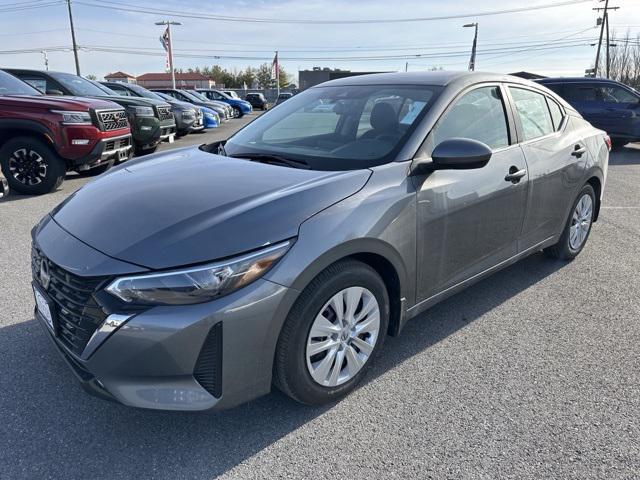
[624, 61]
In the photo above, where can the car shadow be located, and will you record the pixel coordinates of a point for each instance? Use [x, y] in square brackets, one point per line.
[627, 155]
[50, 425]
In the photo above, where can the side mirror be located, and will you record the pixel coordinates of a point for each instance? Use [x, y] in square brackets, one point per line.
[55, 92]
[455, 154]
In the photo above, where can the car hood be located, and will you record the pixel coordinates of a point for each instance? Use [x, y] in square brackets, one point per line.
[133, 101]
[57, 102]
[189, 206]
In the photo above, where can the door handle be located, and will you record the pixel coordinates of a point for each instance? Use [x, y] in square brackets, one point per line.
[579, 150]
[515, 175]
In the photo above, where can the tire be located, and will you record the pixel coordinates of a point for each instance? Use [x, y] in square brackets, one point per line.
[95, 171]
[45, 170]
[293, 366]
[145, 151]
[569, 246]
[237, 113]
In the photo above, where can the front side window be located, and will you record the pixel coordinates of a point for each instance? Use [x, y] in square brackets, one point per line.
[615, 94]
[478, 115]
[533, 112]
[338, 128]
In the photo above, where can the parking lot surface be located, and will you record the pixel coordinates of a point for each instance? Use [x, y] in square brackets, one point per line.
[532, 373]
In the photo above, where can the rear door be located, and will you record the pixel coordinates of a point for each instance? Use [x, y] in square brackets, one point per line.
[586, 99]
[470, 220]
[556, 157]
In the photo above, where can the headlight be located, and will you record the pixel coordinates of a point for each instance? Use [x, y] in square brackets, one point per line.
[197, 284]
[74, 118]
[188, 114]
[141, 111]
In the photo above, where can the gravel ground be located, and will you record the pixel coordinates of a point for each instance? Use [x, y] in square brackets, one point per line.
[533, 373]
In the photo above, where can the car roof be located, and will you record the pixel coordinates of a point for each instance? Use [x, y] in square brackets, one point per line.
[437, 78]
[574, 79]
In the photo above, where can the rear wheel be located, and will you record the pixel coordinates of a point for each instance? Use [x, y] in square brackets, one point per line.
[618, 143]
[332, 333]
[576, 231]
[30, 166]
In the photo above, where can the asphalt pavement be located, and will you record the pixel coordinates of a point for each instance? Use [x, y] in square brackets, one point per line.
[532, 373]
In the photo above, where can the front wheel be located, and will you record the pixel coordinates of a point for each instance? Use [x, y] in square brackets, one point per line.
[576, 231]
[30, 166]
[332, 333]
[237, 113]
[95, 171]
[145, 151]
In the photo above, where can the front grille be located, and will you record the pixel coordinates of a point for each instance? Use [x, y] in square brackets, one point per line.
[77, 313]
[208, 371]
[165, 113]
[118, 143]
[112, 120]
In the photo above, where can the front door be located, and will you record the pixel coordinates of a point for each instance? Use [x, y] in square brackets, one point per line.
[470, 220]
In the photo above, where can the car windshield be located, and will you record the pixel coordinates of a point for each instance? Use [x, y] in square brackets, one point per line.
[189, 94]
[104, 88]
[198, 95]
[143, 92]
[79, 86]
[10, 85]
[164, 96]
[338, 128]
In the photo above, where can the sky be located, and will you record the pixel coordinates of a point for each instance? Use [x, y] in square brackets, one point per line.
[557, 37]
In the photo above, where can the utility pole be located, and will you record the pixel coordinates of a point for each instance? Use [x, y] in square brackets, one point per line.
[604, 23]
[46, 60]
[168, 23]
[472, 60]
[73, 38]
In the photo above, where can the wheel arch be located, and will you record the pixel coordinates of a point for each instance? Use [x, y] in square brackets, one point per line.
[380, 256]
[12, 128]
[596, 184]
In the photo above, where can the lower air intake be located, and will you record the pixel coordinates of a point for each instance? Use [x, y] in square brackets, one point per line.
[208, 371]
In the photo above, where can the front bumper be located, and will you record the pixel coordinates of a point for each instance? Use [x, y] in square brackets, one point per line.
[112, 149]
[167, 132]
[152, 359]
[162, 357]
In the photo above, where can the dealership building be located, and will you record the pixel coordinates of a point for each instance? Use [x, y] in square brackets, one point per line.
[310, 78]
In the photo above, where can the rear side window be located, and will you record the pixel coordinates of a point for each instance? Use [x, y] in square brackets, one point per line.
[581, 92]
[556, 114]
[533, 112]
[479, 115]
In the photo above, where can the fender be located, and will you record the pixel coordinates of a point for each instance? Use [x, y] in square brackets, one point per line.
[24, 124]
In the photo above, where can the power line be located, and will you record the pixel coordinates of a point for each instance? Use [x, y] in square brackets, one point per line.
[202, 16]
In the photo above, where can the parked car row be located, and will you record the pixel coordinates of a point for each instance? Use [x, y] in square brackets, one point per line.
[54, 122]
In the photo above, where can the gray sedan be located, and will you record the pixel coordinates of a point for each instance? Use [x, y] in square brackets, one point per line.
[285, 255]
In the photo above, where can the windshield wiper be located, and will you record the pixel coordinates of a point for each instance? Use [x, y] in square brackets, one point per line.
[273, 159]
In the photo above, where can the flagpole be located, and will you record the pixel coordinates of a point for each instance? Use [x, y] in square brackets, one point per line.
[169, 49]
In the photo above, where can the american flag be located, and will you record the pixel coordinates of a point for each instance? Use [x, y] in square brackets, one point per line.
[275, 67]
[164, 40]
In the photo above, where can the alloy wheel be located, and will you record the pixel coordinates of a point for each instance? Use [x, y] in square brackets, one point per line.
[27, 166]
[343, 336]
[581, 222]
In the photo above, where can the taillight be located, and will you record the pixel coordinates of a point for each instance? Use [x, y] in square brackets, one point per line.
[607, 140]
